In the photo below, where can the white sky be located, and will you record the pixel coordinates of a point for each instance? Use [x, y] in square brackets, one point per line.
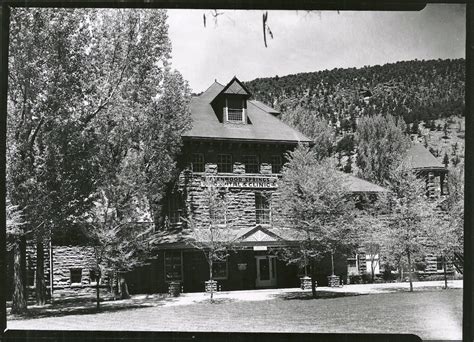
[308, 41]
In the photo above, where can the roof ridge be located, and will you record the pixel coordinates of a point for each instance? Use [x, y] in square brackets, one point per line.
[215, 82]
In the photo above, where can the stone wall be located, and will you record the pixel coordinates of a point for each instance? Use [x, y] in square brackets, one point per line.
[66, 258]
[241, 207]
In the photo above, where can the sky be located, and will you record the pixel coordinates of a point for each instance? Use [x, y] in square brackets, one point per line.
[308, 41]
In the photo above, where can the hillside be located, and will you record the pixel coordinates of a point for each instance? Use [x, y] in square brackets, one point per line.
[416, 90]
[427, 94]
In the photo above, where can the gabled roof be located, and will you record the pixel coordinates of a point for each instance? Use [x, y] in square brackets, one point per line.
[259, 234]
[264, 125]
[419, 158]
[235, 87]
[265, 108]
[359, 185]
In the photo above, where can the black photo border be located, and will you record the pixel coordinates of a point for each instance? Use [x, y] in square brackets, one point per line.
[376, 5]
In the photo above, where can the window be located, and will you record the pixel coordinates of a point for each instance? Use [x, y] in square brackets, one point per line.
[352, 262]
[218, 211]
[174, 208]
[234, 114]
[251, 164]
[235, 109]
[224, 163]
[198, 162]
[93, 276]
[173, 266]
[219, 269]
[439, 263]
[76, 275]
[262, 208]
[276, 164]
[31, 275]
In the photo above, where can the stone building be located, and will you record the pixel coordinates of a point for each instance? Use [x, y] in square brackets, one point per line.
[425, 164]
[240, 144]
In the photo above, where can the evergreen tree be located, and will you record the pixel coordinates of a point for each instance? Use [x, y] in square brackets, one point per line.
[446, 159]
[348, 166]
[415, 127]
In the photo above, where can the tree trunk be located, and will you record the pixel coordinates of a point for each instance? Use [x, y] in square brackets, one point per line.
[116, 286]
[19, 299]
[23, 273]
[313, 278]
[332, 263]
[410, 272]
[123, 287]
[40, 288]
[211, 263]
[445, 273]
[97, 290]
[372, 269]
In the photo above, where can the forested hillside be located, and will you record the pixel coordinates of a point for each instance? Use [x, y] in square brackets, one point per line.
[327, 105]
[416, 90]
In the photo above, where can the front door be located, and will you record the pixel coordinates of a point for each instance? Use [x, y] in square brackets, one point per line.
[266, 271]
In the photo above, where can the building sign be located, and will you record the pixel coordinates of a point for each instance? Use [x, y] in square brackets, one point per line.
[260, 248]
[244, 182]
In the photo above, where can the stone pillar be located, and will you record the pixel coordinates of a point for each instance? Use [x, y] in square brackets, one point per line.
[238, 168]
[265, 168]
[211, 168]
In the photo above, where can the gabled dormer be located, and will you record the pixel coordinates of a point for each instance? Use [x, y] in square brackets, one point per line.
[230, 105]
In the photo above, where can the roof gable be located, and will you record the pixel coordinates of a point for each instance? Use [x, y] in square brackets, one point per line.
[419, 158]
[265, 127]
[235, 87]
[259, 234]
[359, 185]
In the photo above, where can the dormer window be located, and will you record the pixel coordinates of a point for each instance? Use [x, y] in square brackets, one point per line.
[235, 109]
[230, 105]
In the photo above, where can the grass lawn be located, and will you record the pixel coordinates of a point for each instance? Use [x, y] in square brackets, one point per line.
[435, 314]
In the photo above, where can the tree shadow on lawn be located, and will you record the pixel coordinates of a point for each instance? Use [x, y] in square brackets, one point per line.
[320, 295]
[215, 301]
[87, 306]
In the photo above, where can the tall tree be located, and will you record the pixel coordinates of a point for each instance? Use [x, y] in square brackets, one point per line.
[319, 129]
[71, 71]
[213, 235]
[410, 223]
[120, 242]
[317, 207]
[381, 144]
[447, 239]
[15, 231]
[372, 231]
